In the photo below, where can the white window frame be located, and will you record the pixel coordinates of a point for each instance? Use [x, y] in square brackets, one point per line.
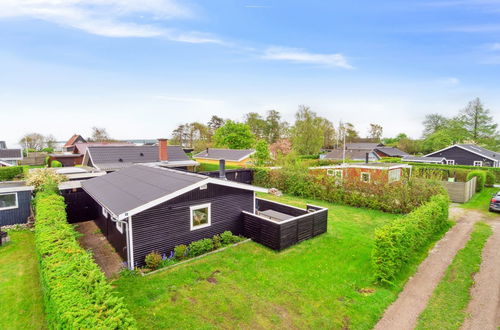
[478, 162]
[369, 177]
[330, 172]
[450, 162]
[105, 212]
[119, 226]
[397, 177]
[197, 207]
[11, 207]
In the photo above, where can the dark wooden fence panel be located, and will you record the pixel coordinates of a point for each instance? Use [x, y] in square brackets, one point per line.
[238, 175]
[264, 204]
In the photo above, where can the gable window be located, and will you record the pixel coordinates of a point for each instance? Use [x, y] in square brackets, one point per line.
[394, 175]
[200, 216]
[8, 201]
[478, 163]
[365, 177]
[450, 162]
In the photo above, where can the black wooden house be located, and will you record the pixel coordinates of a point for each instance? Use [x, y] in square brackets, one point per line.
[468, 154]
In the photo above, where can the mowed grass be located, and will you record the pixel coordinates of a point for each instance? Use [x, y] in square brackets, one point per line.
[446, 308]
[21, 298]
[325, 282]
[481, 200]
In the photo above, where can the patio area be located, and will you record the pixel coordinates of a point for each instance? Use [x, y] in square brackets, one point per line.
[104, 254]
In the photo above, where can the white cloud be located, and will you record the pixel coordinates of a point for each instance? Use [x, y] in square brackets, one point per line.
[301, 56]
[495, 46]
[110, 18]
[449, 81]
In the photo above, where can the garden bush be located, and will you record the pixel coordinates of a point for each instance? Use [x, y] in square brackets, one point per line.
[227, 238]
[217, 242]
[481, 178]
[11, 173]
[202, 246]
[43, 176]
[76, 292]
[401, 240]
[55, 163]
[180, 252]
[153, 260]
[490, 179]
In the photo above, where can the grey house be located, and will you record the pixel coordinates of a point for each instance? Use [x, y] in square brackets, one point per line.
[15, 203]
[10, 157]
[468, 154]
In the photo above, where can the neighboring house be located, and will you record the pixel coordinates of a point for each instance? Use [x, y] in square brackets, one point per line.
[70, 144]
[389, 152]
[15, 203]
[233, 157]
[352, 154]
[468, 154]
[363, 145]
[3, 145]
[75, 157]
[379, 173]
[112, 158]
[10, 157]
[423, 159]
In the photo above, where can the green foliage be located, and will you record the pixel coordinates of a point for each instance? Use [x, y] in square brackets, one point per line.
[481, 178]
[437, 140]
[227, 238]
[180, 252]
[202, 246]
[55, 163]
[11, 173]
[261, 153]
[76, 292]
[234, 135]
[153, 260]
[307, 134]
[47, 149]
[401, 240]
[490, 179]
[217, 242]
[166, 262]
[43, 176]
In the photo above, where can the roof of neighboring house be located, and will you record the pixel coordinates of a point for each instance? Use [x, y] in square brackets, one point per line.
[474, 149]
[12, 154]
[363, 145]
[423, 159]
[235, 155]
[3, 145]
[108, 158]
[350, 154]
[82, 147]
[72, 140]
[140, 187]
[391, 151]
[65, 155]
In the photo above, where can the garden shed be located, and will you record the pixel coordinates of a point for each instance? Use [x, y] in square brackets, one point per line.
[15, 203]
[379, 173]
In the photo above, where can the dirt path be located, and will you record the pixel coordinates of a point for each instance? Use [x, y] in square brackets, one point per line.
[404, 312]
[484, 307]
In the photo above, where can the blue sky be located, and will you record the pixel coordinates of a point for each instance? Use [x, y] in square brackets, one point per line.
[141, 67]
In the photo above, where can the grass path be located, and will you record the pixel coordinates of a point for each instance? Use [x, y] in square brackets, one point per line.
[325, 282]
[20, 294]
[446, 308]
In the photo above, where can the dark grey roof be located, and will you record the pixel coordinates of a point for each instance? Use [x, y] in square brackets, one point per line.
[480, 150]
[410, 158]
[391, 151]
[11, 154]
[363, 145]
[115, 157]
[227, 154]
[338, 154]
[134, 186]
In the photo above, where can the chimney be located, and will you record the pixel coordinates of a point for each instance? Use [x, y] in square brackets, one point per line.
[162, 150]
[222, 169]
[366, 158]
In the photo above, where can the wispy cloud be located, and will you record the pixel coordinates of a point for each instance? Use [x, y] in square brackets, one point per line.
[449, 81]
[110, 18]
[298, 55]
[495, 46]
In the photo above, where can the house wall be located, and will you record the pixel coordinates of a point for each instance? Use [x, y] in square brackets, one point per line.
[108, 228]
[21, 213]
[244, 163]
[79, 205]
[68, 161]
[167, 225]
[461, 156]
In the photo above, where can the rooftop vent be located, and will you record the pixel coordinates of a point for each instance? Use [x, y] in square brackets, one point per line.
[141, 154]
[120, 160]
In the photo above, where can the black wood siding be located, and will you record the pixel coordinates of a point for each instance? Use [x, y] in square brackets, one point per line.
[21, 213]
[79, 205]
[108, 228]
[462, 157]
[167, 225]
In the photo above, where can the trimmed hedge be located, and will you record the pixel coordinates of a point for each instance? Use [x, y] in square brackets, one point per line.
[76, 292]
[481, 178]
[490, 179]
[401, 240]
[55, 163]
[11, 173]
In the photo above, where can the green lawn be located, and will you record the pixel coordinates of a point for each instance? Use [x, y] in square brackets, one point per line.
[325, 282]
[446, 308]
[20, 294]
[207, 167]
[481, 201]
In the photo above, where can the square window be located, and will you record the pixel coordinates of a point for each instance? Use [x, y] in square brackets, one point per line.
[394, 175]
[365, 177]
[8, 201]
[450, 162]
[200, 216]
[329, 172]
[478, 163]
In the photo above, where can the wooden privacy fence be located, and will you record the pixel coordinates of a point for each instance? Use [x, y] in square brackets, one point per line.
[242, 175]
[460, 192]
[279, 235]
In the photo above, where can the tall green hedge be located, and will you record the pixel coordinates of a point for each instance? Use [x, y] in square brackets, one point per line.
[11, 173]
[401, 240]
[481, 178]
[76, 292]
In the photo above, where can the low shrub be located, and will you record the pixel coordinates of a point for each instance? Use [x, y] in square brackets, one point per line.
[490, 179]
[11, 173]
[55, 163]
[43, 176]
[481, 178]
[76, 292]
[180, 252]
[153, 260]
[202, 246]
[166, 262]
[227, 238]
[401, 240]
[217, 242]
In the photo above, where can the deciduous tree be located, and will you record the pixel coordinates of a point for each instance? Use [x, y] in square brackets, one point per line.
[307, 133]
[234, 135]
